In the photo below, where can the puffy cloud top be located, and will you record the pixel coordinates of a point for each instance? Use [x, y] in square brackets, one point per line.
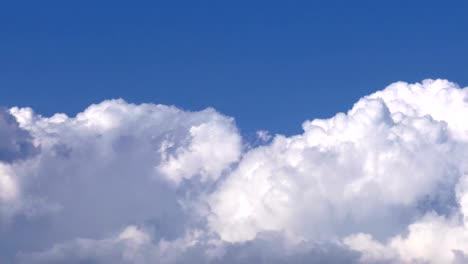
[386, 182]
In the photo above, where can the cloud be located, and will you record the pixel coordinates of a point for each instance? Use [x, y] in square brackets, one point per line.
[15, 142]
[433, 238]
[263, 135]
[113, 165]
[134, 245]
[385, 182]
[355, 172]
[393, 158]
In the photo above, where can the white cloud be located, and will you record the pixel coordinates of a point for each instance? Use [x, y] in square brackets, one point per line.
[393, 158]
[15, 143]
[263, 135]
[133, 245]
[124, 183]
[8, 192]
[9, 189]
[433, 239]
[213, 147]
[113, 165]
[343, 175]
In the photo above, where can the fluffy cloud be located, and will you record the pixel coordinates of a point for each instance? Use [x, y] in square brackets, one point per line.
[134, 245]
[385, 182]
[396, 156]
[113, 165]
[15, 143]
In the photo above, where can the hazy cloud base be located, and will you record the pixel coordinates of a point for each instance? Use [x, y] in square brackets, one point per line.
[386, 182]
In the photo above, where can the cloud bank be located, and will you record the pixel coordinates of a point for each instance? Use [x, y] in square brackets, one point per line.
[386, 182]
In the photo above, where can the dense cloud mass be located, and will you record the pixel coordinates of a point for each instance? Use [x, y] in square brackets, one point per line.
[15, 143]
[386, 182]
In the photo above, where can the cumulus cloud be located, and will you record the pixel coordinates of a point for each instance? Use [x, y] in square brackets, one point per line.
[113, 165]
[396, 156]
[343, 175]
[15, 142]
[134, 245]
[385, 182]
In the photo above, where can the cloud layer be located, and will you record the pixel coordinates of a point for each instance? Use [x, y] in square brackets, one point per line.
[386, 182]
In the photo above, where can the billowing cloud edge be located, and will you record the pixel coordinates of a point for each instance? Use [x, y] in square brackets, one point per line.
[383, 183]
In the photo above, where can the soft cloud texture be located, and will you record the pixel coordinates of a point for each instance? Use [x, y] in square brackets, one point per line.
[121, 183]
[113, 165]
[15, 143]
[134, 245]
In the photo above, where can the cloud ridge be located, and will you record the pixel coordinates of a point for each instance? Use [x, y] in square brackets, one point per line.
[386, 182]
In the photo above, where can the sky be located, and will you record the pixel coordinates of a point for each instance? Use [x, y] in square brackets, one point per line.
[217, 132]
[270, 64]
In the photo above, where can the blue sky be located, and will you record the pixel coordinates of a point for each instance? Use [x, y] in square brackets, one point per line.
[269, 64]
[144, 183]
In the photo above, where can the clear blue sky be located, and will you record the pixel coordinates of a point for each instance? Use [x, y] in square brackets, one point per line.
[269, 64]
